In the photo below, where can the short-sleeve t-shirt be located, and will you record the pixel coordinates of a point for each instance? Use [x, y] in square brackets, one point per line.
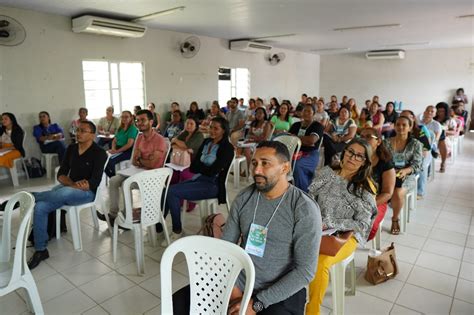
[109, 126]
[282, 125]
[314, 129]
[122, 135]
[379, 169]
[343, 128]
[321, 116]
[155, 144]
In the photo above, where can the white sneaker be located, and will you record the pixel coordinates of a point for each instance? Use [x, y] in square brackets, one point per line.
[173, 237]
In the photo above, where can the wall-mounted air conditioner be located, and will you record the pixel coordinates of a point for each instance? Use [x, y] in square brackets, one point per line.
[248, 46]
[385, 54]
[103, 26]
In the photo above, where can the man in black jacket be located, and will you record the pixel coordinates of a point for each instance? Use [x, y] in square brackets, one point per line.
[79, 177]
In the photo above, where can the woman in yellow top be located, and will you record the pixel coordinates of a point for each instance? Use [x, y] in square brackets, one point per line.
[11, 140]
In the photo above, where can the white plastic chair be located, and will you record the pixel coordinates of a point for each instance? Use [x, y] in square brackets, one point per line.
[377, 240]
[214, 266]
[74, 214]
[338, 283]
[47, 161]
[15, 274]
[14, 170]
[293, 144]
[151, 184]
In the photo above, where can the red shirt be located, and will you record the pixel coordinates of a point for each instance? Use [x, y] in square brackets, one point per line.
[155, 144]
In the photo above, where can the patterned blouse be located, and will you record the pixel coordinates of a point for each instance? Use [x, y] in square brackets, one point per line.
[411, 156]
[341, 209]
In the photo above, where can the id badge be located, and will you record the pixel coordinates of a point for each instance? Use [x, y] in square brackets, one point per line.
[399, 160]
[340, 130]
[256, 240]
[301, 132]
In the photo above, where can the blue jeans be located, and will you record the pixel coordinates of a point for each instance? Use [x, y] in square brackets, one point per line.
[424, 174]
[203, 187]
[110, 167]
[304, 170]
[55, 147]
[49, 201]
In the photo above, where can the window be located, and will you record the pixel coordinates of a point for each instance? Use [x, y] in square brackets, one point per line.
[120, 84]
[233, 82]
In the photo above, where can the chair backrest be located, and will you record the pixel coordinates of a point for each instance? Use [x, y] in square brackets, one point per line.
[151, 184]
[26, 200]
[227, 180]
[213, 267]
[168, 143]
[270, 135]
[293, 143]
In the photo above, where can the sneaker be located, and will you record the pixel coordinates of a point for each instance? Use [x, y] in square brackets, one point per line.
[419, 197]
[173, 237]
[37, 257]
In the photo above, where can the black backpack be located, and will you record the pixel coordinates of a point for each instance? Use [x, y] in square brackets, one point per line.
[34, 168]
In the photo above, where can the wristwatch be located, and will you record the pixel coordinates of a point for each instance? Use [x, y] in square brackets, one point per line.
[257, 305]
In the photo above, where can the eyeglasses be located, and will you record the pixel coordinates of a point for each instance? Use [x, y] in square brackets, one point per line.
[356, 156]
[80, 130]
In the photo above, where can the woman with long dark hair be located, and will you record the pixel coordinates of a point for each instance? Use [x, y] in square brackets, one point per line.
[346, 198]
[282, 120]
[210, 167]
[390, 116]
[407, 156]
[11, 140]
[195, 112]
[122, 145]
[383, 174]
[442, 116]
[310, 133]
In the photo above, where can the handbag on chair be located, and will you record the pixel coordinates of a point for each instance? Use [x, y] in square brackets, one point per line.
[382, 267]
[180, 157]
[331, 244]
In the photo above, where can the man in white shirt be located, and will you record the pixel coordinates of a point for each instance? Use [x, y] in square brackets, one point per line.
[430, 123]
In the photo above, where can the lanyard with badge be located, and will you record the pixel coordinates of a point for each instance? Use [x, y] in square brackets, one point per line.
[257, 237]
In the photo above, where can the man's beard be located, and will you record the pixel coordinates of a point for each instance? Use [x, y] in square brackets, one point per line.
[266, 186]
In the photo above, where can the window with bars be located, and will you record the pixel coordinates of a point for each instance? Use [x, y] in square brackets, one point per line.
[116, 83]
[233, 82]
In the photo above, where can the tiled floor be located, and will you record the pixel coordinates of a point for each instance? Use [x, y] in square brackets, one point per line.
[436, 261]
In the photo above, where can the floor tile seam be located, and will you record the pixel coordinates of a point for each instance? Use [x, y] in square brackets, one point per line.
[63, 272]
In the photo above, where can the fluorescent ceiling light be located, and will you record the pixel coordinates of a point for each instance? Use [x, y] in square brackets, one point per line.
[331, 49]
[465, 16]
[407, 44]
[159, 13]
[356, 28]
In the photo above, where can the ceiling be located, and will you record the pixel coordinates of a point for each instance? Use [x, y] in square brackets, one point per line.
[432, 22]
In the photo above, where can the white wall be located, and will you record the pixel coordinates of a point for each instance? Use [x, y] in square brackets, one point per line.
[424, 77]
[45, 72]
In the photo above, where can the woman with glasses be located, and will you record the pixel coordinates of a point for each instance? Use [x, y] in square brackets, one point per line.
[407, 157]
[383, 174]
[346, 198]
[122, 145]
[11, 140]
[50, 137]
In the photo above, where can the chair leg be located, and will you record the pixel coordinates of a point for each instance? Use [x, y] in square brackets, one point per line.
[114, 241]
[338, 287]
[352, 290]
[203, 211]
[58, 224]
[24, 167]
[34, 300]
[137, 229]
[236, 174]
[94, 217]
[14, 175]
[75, 228]
[165, 229]
[152, 235]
